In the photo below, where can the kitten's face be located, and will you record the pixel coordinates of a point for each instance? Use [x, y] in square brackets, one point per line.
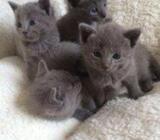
[96, 9]
[108, 49]
[57, 94]
[107, 54]
[32, 22]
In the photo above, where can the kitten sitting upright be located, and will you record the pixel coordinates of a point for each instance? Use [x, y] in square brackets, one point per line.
[36, 26]
[113, 57]
[87, 11]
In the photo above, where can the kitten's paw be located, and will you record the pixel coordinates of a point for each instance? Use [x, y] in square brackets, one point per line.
[82, 114]
[136, 95]
[146, 86]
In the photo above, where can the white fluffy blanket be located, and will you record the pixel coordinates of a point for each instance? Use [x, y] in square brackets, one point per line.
[124, 119]
[121, 119]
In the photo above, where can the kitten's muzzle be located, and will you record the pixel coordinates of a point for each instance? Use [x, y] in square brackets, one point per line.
[102, 14]
[105, 67]
[25, 33]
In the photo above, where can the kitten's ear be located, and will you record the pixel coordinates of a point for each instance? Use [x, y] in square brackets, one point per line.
[45, 5]
[54, 96]
[13, 5]
[42, 68]
[85, 31]
[133, 35]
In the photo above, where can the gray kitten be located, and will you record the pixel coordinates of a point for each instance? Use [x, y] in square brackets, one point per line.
[58, 95]
[87, 11]
[36, 26]
[35, 22]
[113, 57]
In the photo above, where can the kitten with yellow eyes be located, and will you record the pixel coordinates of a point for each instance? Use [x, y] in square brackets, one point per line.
[36, 27]
[87, 11]
[57, 94]
[113, 57]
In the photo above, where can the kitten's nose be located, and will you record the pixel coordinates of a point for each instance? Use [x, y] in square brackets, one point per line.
[103, 14]
[24, 32]
[106, 66]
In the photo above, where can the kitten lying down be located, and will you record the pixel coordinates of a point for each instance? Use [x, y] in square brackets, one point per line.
[56, 94]
[113, 57]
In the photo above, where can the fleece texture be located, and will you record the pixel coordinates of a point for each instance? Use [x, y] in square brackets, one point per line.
[143, 14]
[124, 119]
[120, 119]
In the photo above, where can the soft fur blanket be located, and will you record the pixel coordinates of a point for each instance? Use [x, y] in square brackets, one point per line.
[124, 119]
[121, 119]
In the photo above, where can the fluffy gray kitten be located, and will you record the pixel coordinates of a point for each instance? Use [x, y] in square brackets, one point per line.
[57, 94]
[113, 57]
[36, 26]
[87, 11]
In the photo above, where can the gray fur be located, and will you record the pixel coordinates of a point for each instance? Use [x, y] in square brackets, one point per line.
[41, 39]
[132, 69]
[64, 56]
[81, 12]
[55, 94]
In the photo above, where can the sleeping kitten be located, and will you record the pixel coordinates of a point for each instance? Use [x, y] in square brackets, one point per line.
[36, 26]
[57, 94]
[87, 11]
[113, 57]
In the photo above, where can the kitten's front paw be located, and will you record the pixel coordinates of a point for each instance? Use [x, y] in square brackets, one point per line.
[146, 86]
[82, 114]
[110, 93]
[136, 95]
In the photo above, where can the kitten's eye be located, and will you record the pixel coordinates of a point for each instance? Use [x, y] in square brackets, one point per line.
[19, 25]
[32, 22]
[116, 56]
[93, 11]
[105, 5]
[97, 54]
